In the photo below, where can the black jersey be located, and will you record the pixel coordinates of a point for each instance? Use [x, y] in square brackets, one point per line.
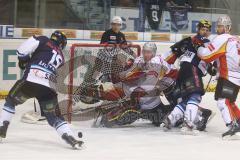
[111, 37]
[45, 57]
[153, 12]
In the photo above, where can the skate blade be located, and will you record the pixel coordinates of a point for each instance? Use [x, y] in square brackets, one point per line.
[232, 138]
[165, 129]
[79, 146]
[187, 131]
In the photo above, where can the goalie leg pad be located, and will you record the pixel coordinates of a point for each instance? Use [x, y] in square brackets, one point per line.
[120, 116]
[226, 89]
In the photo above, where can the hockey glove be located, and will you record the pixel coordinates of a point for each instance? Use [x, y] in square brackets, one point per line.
[180, 47]
[23, 61]
[211, 69]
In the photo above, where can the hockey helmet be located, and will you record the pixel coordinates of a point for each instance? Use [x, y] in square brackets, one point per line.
[225, 21]
[59, 38]
[204, 23]
[150, 46]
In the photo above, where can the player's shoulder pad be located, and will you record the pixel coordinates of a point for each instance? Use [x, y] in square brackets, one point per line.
[41, 38]
[222, 38]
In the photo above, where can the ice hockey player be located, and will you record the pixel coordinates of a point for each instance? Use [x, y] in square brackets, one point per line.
[224, 49]
[189, 87]
[40, 57]
[139, 84]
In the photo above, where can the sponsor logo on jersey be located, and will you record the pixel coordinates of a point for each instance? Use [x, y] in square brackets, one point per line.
[113, 37]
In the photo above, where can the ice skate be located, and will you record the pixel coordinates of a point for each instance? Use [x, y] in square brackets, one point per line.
[3, 130]
[166, 124]
[76, 144]
[188, 129]
[233, 133]
[207, 115]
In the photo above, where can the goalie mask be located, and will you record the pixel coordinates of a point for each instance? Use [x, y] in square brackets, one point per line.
[149, 51]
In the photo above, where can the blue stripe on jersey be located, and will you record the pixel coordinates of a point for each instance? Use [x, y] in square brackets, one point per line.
[180, 107]
[193, 102]
[33, 66]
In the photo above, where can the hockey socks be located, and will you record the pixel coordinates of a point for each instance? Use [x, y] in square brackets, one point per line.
[176, 114]
[62, 128]
[6, 114]
[191, 113]
[66, 134]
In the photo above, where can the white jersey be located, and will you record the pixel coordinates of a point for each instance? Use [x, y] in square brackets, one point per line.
[155, 70]
[225, 49]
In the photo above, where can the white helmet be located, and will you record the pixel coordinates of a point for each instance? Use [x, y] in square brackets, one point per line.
[117, 20]
[225, 21]
[150, 46]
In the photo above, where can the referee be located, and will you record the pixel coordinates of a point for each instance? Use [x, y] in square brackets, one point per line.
[113, 35]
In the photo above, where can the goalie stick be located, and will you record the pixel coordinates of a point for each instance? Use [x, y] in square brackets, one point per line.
[103, 106]
[32, 118]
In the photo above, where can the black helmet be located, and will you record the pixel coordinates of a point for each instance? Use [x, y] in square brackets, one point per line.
[60, 38]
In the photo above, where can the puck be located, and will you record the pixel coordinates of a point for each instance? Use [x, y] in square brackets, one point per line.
[80, 134]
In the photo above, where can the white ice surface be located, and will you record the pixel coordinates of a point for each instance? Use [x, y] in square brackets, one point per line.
[137, 142]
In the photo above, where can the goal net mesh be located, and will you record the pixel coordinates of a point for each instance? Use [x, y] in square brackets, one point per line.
[85, 65]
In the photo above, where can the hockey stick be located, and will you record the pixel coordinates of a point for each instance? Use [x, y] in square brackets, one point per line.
[34, 104]
[208, 83]
[104, 106]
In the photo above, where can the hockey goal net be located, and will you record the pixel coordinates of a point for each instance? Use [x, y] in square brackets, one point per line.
[86, 64]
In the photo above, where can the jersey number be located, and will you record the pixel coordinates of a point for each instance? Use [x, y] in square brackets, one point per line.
[56, 60]
[155, 16]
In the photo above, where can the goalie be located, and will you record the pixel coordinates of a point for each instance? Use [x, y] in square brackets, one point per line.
[141, 83]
